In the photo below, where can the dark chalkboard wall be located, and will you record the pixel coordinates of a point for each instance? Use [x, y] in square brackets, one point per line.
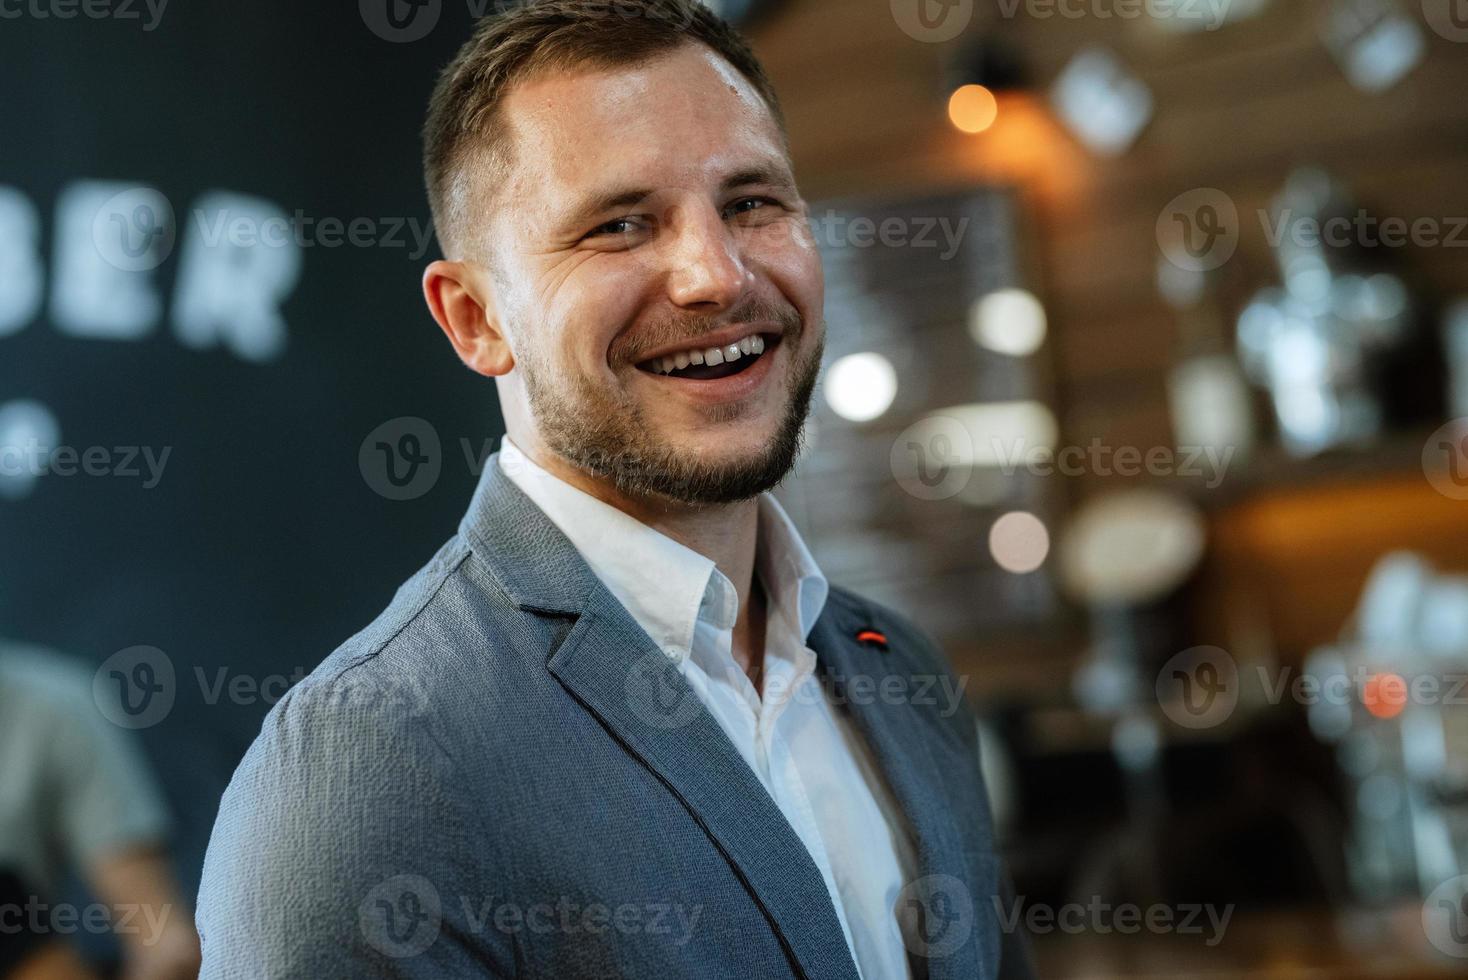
[261, 545]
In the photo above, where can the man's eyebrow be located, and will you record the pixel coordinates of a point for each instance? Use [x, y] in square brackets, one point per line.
[607, 201]
[623, 197]
[763, 174]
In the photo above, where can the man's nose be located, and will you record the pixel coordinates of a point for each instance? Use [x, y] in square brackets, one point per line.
[705, 265]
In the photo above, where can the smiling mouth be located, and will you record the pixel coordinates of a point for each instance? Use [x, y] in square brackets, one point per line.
[712, 363]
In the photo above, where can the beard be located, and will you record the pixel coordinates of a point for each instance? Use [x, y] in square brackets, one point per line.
[606, 433]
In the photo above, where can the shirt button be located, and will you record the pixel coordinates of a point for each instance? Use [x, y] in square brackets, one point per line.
[673, 653]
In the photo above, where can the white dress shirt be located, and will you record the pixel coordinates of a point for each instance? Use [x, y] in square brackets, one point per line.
[815, 766]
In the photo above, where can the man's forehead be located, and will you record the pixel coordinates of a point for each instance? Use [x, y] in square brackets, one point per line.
[684, 118]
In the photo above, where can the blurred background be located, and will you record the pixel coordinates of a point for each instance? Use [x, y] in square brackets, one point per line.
[1146, 393]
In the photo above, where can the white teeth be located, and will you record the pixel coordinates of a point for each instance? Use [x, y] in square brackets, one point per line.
[753, 345]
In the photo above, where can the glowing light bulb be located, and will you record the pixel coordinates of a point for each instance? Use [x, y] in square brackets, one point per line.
[972, 108]
[1019, 542]
[860, 387]
[1008, 321]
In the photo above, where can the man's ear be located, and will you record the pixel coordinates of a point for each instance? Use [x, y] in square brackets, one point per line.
[461, 299]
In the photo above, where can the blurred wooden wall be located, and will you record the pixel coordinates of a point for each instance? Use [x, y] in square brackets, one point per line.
[1235, 109]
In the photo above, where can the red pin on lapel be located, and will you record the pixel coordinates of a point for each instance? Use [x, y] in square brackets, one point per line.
[872, 638]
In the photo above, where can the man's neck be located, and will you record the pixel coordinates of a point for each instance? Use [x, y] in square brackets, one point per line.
[726, 534]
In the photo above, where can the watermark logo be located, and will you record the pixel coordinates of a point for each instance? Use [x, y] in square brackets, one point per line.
[1445, 917]
[1208, 464]
[1102, 918]
[401, 459]
[135, 687]
[936, 915]
[1199, 687]
[235, 225]
[148, 12]
[671, 920]
[134, 230]
[930, 458]
[402, 916]
[400, 21]
[23, 461]
[657, 693]
[41, 918]
[1199, 229]
[1207, 15]
[932, 21]
[1445, 459]
[1449, 18]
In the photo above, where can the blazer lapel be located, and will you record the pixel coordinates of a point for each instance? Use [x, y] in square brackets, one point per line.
[916, 764]
[616, 672]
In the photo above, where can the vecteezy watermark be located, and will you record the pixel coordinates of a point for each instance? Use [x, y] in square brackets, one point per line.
[1202, 686]
[403, 458]
[39, 918]
[1199, 230]
[767, 226]
[931, 458]
[935, 915]
[658, 695]
[134, 230]
[147, 12]
[30, 459]
[1445, 917]
[932, 21]
[1100, 917]
[838, 230]
[135, 687]
[139, 686]
[1449, 18]
[403, 916]
[242, 229]
[1384, 692]
[1209, 15]
[405, 21]
[1208, 463]
[1445, 459]
[1363, 229]
[1199, 687]
[672, 920]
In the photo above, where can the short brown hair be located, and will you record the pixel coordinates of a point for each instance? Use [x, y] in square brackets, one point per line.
[508, 47]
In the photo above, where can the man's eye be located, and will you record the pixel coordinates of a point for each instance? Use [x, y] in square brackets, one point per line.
[747, 204]
[617, 226]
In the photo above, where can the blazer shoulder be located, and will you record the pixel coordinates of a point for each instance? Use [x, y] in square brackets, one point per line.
[418, 601]
[373, 681]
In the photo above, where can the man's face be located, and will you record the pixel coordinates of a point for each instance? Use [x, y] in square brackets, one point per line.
[650, 223]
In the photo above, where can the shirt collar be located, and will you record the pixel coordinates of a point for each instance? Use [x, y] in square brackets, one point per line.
[660, 582]
[792, 579]
[666, 586]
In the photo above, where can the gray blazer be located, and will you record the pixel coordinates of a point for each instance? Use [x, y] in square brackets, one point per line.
[503, 776]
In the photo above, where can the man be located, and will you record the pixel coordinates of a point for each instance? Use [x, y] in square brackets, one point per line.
[620, 726]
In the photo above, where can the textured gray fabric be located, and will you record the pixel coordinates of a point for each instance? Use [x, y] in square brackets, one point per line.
[503, 776]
